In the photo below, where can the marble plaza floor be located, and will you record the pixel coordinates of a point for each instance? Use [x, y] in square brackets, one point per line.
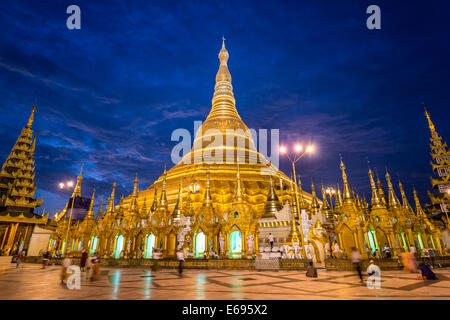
[29, 281]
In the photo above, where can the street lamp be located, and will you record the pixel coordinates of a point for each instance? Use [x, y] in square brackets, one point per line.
[194, 187]
[67, 186]
[298, 154]
[331, 193]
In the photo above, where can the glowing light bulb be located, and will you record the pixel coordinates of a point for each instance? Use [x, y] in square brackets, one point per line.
[61, 185]
[298, 148]
[309, 149]
[283, 149]
[70, 184]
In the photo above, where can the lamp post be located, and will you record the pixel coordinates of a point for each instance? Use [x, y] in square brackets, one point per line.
[67, 186]
[294, 159]
[331, 193]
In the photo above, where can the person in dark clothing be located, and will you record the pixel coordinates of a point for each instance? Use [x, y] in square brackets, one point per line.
[84, 257]
[427, 274]
[311, 271]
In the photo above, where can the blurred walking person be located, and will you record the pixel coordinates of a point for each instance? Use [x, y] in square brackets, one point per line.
[180, 257]
[356, 261]
[91, 266]
[427, 274]
[95, 273]
[311, 271]
[65, 264]
[83, 260]
[44, 259]
[20, 256]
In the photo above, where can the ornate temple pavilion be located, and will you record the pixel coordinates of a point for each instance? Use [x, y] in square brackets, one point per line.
[17, 189]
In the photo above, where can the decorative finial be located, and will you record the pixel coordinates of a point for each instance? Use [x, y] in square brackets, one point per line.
[30, 120]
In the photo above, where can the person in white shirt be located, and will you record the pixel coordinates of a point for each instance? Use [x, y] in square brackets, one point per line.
[271, 240]
[65, 264]
[375, 275]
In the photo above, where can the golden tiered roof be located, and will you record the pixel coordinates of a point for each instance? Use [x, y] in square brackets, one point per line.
[17, 188]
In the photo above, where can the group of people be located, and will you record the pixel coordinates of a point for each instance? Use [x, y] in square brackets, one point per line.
[91, 265]
[18, 257]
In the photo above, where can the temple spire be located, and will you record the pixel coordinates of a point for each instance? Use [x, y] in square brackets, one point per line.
[134, 205]
[376, 202]
[31, 118]
[238, 194]
[178, 210]
[430, 123]
[347, 193]
[419, 210]
[163, 199]
[393, 200]
[405, 202]
[90, 212]
[100, 210]
[110, 205]
[155, 201]
[381, 193]
[223, 102]
[77, 189]
[207, 199]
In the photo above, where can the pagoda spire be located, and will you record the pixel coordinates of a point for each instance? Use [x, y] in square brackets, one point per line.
[90, 212]
[238, 197]
[419, 210]
[163, 199]
[207, 199]
[405, 203]
[223, 102]
[120, 215]
[381, 193]
[100, 210]
[31, 118]
[430, 123]
[155, 201]
[110, 205]
[376, 202]
[393, 200]
[273, 204]
[347, 193]
[178, 210]
[134, 209]
[77, 189]
[144, 210]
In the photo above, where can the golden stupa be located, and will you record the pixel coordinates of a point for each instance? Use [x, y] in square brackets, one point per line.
[255, 169]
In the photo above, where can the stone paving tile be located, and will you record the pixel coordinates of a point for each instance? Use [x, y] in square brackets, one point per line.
[31, 282]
